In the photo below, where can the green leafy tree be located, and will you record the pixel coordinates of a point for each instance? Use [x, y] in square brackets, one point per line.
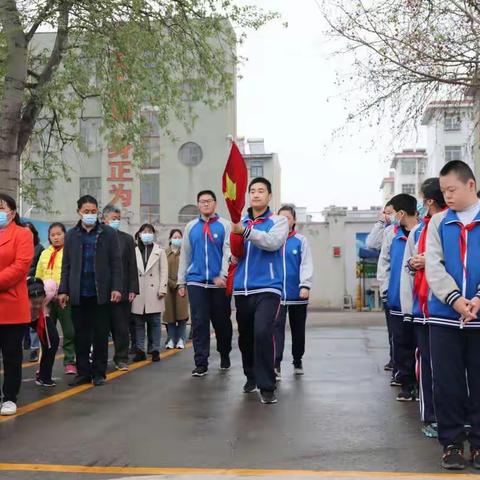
[117, 55]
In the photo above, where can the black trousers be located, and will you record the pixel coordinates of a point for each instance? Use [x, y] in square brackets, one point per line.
[256, 317]
[422, 335]
[210, 304]
[49, 350]
[403, 346]
[91, 323]
[456, 383]
[119, 325]
[11, 346]
[297, 316]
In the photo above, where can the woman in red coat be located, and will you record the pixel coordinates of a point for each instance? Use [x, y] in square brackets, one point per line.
[16, 253]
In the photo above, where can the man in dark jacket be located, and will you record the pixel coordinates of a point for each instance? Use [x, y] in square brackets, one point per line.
[91, 279]
[120, 312]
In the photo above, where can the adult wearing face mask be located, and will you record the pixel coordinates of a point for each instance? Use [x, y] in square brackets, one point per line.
[177, 310]
[91, 280]
[149, 304]
[120, 312]
[16, 254]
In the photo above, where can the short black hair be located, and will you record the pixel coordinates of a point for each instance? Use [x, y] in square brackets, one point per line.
[405, 202]
[35, 287]
[431, 191]
[86, 199]
[206, 192]
[288, 208]
[12, 205]
[36, 236]
[463, 171]
[173, 232]
[261, 180]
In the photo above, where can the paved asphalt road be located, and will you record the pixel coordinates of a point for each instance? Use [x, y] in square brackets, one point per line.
[340, 420]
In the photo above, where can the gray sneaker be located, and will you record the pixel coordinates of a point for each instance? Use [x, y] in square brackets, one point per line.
[122, 366]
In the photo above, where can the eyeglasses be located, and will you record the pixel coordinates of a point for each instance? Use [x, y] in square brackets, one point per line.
[205, 202]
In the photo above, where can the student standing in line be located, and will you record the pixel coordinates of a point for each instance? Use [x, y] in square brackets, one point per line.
[414, 298]
[453, 273]
[390, 266]
[149, 304]
[49, 267]
[297, 282]
[91, 279]
[257, 288]
[203, 269]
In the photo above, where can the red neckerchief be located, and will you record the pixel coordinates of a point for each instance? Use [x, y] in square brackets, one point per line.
[292, 233]
[420, 285]
[41, 327]
[463, 240]
[51, 261]
[206, 227]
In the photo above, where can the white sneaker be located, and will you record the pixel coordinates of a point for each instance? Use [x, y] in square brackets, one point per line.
[278, 375]
[180, 344]
[8, 408]
[170, 345]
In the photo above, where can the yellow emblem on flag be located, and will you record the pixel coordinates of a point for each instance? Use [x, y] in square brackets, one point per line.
[231, 189]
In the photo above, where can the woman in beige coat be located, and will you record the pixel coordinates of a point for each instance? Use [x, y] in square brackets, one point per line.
[176, 307]
[148, 306]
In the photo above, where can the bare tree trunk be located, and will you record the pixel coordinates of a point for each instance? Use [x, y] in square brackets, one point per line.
[476, 133]
[11, 105]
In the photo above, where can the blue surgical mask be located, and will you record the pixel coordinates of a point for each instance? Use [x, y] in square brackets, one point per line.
[89, 218]
[115, 224]
[421, 209]
[3, 219]
[147, 238]
[176, 242]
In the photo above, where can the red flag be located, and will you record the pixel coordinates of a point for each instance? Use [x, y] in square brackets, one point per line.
[234, 187]
[234, 183]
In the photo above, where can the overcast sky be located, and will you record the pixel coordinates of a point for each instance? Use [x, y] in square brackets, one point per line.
[288, 96]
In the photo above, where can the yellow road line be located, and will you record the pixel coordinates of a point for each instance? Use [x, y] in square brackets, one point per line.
[29, 467]
[82, 388]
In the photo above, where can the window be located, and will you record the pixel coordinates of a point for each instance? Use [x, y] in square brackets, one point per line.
[409, 166]
[151, 117]
[408, 188]
[190, 154]
[187, 213]
[150, 198]
[256, 168]
[452, 122]
[422, 167]
[152, 146]
[453, 153]
[90, 138]
[91, 186]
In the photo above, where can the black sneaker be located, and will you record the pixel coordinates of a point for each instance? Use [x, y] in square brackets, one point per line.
[298, 368]
[250, 387]
[155, 356]
[395, 383]
[475, 453]
[33, 356]
[388, 367]
[45, 383]
[278, 374]
[453, 458]
[139, 356]
[199, 371]
[267, 397]
[79, 380]
[225, 363]
[406, 394]
[99, 381]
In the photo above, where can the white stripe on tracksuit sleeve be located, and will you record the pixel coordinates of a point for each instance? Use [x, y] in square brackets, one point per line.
[272, 240]
[306, 265]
